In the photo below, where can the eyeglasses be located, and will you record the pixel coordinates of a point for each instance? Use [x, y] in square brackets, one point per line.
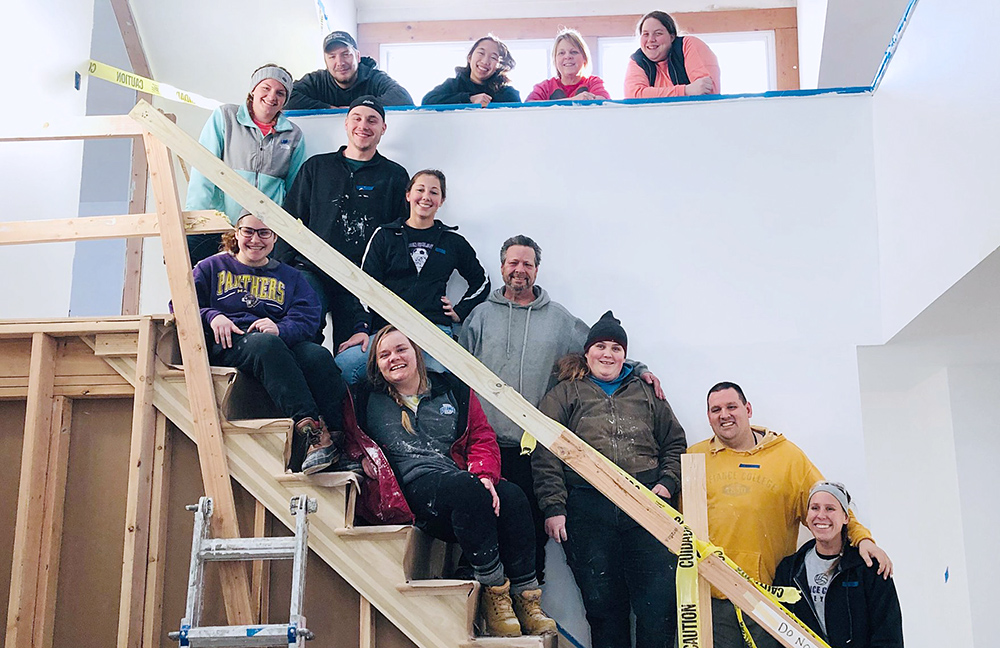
[248, 232]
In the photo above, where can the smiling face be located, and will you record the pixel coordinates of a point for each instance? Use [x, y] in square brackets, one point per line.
[425, 197]
[825, 518]
[365, 128]
[254, 248]
[268, 98]
[655, 39]
[729, 417]
[605, 359]
[519, 270]
[342, 64]
[483, 61]
[570, 60]
[397, 362]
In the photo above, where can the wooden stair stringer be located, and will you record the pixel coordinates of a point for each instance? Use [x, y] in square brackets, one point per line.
[373, 568]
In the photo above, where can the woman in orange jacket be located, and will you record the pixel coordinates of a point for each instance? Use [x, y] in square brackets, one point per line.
[668, 65]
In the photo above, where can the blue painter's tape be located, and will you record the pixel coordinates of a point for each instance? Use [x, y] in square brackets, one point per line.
[742, 465]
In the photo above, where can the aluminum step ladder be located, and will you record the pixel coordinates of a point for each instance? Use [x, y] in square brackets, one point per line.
[203, 549]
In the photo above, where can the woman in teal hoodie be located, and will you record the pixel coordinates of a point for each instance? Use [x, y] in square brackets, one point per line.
[257, 141]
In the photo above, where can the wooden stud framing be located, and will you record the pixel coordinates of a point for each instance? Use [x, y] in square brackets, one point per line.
[52, 521]
[260, 570]
[88, 228]
[76, 128]
[24, 577]
[695, 496]
[635, 500]
[367, 627]
[201, 393]
[137, 185]
[152, 617]
[137, 507]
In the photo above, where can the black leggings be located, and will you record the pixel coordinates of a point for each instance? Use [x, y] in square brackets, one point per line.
[456, 506]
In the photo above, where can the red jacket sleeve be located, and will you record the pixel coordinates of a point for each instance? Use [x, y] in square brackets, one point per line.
[482, 453]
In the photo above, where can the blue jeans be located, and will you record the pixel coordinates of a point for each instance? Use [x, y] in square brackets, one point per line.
[619, 567]
[353, 362]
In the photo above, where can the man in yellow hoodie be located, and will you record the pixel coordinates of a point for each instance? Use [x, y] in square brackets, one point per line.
[758, 492]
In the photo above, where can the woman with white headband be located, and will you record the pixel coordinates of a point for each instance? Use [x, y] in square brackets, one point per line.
[843, 600]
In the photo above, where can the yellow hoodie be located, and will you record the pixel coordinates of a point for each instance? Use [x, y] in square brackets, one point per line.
[758, 498]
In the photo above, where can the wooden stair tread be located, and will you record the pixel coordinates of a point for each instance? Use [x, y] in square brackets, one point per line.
[322, 479]
[528, 641]
[437, 586]
[257, 426]
[375, 532]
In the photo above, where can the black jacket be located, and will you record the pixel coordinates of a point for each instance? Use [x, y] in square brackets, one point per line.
[318, 91]
[458, 89]
[387, 259]
[343, 207]
[862, 609]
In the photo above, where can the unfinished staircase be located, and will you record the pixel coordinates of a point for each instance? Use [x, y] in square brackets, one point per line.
[393, 566]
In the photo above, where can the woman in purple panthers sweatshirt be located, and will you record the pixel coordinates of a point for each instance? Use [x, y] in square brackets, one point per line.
[259, 316]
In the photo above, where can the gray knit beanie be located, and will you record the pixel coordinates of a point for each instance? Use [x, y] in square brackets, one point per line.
[272, 72]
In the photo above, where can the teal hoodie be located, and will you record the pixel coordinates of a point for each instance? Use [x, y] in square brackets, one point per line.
[269, 163]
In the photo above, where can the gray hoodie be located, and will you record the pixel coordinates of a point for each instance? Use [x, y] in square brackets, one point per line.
[521, 345]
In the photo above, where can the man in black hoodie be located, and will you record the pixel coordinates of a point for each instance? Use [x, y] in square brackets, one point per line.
[343, 197]
[347, 76]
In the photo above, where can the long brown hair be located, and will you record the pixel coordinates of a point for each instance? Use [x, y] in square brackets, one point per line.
[573, 367]
[379, 382]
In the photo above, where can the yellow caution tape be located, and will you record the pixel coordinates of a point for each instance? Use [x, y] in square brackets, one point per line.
[142, 84]
[688, 591]
[528, 444]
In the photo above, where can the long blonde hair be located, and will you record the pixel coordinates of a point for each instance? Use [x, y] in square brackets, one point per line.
[379, 382]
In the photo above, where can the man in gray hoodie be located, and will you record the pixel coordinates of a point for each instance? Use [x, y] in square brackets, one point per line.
[520, 334]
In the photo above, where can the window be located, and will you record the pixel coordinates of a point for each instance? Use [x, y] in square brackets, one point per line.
[747, 60]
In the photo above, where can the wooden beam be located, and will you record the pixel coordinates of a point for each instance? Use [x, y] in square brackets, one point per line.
[74, 128]
[786, 58]
[52, 521]
[31, 494]
[695, 494]
[88, 228]
[367, 626]
[198, 376]
[132, 602]
[152, 617]
[71, 327]
[137, 186]
[260, 570]
[634, 499]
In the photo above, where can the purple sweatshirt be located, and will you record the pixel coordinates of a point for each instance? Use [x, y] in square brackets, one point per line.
[245, 294]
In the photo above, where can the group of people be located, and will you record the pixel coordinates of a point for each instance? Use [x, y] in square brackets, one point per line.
[665, 65]
[431, 453]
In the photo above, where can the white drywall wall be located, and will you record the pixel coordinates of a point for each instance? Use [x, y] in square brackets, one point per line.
[48, 41]
[936, 133]
[973, 392]
[811, 16]
[856, 36]
[721, 265]
[914, 481]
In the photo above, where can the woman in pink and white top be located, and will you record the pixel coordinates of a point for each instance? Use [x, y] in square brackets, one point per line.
[668, 65]
[572, 63]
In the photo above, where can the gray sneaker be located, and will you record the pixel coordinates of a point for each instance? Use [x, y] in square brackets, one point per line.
[319, 459]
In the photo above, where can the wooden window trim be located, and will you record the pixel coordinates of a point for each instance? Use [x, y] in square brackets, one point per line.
[782, 21]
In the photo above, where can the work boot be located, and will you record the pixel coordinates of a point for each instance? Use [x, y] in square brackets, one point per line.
[528, 608]
[321, 453]
[498, 611]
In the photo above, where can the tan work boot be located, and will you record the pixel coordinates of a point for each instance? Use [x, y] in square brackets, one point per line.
[498, 611]
[528, 608]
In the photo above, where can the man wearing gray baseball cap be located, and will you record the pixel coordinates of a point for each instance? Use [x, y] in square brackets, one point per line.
[347, 76]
